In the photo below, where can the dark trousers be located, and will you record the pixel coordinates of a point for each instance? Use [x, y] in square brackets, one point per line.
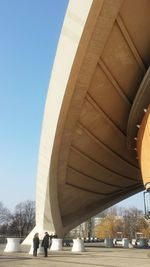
[45, 251]
[35, 252]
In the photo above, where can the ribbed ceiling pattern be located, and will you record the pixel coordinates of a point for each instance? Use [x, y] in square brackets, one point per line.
[99, 167]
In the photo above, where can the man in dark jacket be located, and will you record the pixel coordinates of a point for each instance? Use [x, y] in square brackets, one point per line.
[36, 242]
[46, 243]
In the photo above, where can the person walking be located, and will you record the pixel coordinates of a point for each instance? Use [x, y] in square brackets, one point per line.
[36, 242]
[46, 243]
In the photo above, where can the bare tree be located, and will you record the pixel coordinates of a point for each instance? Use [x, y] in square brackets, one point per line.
[5, 217]
[131, 222]
[23, 219]
[4, 214]
[89, 228]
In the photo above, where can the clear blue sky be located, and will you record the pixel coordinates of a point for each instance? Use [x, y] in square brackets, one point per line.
[29, 32]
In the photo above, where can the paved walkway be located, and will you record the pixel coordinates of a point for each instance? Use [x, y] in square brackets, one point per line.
[94, 257]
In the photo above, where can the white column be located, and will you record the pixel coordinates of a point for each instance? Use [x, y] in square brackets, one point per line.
[78, 245]
[13, 245]
[31, 250]
[133, 242]
[56, 244]
[108, 242]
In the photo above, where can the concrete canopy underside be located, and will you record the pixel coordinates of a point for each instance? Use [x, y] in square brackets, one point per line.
[86, 160]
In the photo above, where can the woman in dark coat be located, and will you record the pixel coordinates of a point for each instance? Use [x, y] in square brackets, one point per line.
[46, 243]
[36, 242]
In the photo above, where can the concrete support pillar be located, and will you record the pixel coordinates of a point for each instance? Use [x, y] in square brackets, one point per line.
[56, 244]
[109, 242]
[13, 245]
[78, 245]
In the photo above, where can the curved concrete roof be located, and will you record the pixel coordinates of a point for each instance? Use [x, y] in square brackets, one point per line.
[87, 160]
